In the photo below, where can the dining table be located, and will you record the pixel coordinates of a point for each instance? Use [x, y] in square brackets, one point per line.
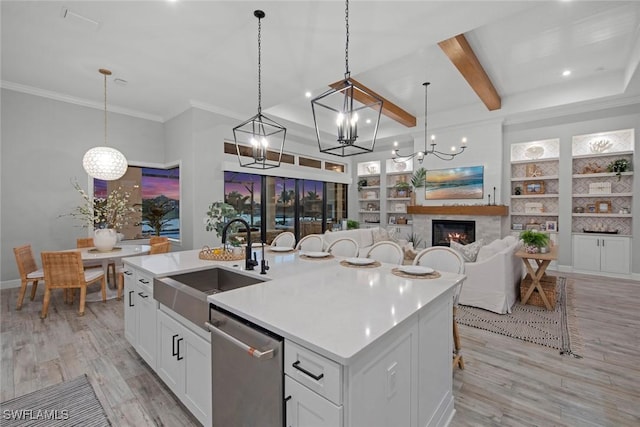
[92, 255]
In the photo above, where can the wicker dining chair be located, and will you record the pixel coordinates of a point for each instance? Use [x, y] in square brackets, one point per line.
[29, 272]
[160, 248]
[64, 270]
[154, 240]
[87, 242]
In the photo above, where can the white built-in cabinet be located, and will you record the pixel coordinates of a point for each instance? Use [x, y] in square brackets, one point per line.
[184, 363]
[140, 314]
[601, 253]
[601, 202]
[176, 349]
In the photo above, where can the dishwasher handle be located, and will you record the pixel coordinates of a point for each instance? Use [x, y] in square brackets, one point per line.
[252, 351]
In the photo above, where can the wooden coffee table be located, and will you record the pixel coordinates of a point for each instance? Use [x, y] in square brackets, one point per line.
[542, 261]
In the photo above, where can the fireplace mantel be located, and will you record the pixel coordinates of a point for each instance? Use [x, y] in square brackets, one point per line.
[491, 210]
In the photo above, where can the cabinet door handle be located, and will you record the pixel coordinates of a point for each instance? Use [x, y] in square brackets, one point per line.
[598, 242]
[145, 281]
[143, 295]
[127, 272]
[603, 243]
[296, 365]
[173, 345]
[288, 398]
[178, 352]
[130, 300]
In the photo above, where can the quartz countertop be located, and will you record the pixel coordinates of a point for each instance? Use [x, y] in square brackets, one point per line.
[334, 310]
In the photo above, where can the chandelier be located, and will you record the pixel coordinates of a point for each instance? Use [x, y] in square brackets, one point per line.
[347, 116]
[104, 163]
[259, 132]
[420, 155]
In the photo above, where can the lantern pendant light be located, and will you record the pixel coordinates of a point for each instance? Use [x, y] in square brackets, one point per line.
[104, 163]
[347, 116]
[255, 136]
[420, 155]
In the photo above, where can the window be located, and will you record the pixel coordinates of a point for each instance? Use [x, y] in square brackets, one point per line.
[157, 192]
[286, 204]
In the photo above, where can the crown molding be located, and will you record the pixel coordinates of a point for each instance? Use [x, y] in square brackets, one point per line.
[77, 101]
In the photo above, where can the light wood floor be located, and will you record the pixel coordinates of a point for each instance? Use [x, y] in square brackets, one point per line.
[505, 382]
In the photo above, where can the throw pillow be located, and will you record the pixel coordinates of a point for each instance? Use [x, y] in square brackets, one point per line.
[469, 252]
[380, 235]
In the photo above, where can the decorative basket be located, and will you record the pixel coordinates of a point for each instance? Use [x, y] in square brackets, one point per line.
[548, 286]
[220, 254]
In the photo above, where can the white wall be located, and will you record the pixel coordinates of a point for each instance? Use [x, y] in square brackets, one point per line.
[565, 127]
[43, 142]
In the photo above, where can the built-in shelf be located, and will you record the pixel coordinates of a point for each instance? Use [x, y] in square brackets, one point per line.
[610, 154]
[369, 200]
[534, 214]
[600, 174]
[534, 196]
[369, 212]
[485, 210]
[403, 199]
[599, 196]
[548, 159]
[603, 215]
[533, 178]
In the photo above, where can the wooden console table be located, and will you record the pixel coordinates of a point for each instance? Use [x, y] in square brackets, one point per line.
[542, 261]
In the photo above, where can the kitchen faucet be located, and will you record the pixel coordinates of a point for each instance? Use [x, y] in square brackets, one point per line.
[248, 263]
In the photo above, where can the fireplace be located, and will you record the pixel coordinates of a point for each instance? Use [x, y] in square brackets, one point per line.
[444, 230]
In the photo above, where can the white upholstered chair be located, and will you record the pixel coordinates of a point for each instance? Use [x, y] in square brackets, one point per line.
[386, 251]
[344, 247]
[311, 243]
[285, 239]
[442, 258]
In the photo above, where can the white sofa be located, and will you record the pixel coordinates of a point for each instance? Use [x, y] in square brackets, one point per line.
[365, 237]
[493, 280]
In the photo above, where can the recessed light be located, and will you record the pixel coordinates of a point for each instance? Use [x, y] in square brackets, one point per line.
[307, 94]
[395, 143]
[566, 73]
[368, 121]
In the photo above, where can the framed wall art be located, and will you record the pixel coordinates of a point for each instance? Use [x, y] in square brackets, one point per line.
[551, 225]
[603, 206]
[534, 187]
[455, 183]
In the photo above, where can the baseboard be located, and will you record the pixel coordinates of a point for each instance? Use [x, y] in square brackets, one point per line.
[9, 284]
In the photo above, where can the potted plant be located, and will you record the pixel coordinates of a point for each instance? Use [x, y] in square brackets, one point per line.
[402, 189]
[218, 214]
[517, 191]
[618, 166]
[418, 180]
[352, 224]
[362, 182]
[534, 240]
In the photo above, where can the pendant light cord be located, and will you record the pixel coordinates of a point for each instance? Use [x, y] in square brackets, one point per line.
[426, 89]
[259, 66]
[347, 73]
[105, 110]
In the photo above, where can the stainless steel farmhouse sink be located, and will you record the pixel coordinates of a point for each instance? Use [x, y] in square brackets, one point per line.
[186, 293]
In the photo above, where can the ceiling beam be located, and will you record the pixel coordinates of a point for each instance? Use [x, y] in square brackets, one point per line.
[460, 53]
[389, 109]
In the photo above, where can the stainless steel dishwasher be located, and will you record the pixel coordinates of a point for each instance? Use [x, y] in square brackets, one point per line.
[247, 372]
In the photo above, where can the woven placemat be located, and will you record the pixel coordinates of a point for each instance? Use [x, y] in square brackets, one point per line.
[311, 258]
[399, 273]
[114, 249]
[345, 263]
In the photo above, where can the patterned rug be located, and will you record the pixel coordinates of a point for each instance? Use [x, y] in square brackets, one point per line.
[70, 403]
[554, 329]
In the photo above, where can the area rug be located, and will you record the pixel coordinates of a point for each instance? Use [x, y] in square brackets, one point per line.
[70, 403]
[549, 328]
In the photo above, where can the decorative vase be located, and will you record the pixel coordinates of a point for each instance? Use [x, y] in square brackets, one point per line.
[105, 239]
[531, 249]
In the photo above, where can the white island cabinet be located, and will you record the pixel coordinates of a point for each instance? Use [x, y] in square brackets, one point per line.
[362, 346]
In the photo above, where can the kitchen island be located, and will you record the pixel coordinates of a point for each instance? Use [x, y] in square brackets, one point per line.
[381, 343]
